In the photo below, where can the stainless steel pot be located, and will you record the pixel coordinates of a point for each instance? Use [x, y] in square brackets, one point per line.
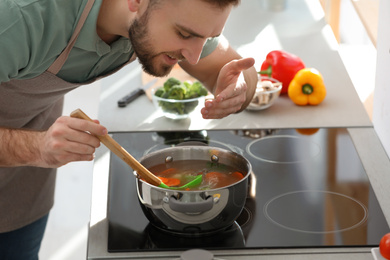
[194, 212]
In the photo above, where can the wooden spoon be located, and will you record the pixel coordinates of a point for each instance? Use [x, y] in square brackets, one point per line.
[123, 154]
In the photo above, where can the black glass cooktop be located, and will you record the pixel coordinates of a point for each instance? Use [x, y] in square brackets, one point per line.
[308, 188]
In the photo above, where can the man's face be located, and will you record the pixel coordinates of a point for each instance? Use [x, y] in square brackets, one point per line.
[174, 31]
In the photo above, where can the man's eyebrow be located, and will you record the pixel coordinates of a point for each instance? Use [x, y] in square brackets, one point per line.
[192, 32]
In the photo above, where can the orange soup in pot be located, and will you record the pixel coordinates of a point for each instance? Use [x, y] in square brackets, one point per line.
[179, 173]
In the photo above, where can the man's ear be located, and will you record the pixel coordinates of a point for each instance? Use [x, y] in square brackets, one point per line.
[134, 5]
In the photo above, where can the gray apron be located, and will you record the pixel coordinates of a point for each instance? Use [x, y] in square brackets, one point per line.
[27, 193]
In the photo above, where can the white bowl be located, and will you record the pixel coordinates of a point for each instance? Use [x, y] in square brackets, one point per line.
[177, 109]
[263, 99]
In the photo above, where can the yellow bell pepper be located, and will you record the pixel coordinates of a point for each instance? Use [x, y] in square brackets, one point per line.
[307, 87]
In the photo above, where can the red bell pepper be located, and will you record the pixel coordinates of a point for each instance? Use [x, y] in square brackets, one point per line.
[282, 66]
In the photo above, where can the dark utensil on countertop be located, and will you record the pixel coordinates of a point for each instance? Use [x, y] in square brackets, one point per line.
[135, 94]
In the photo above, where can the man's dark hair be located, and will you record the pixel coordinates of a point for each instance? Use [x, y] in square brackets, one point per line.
[219, 3]
[223, 3]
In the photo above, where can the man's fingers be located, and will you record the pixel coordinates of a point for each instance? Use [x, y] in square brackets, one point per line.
[232, 91]
[214, 109]
[243, 64]
[83, 138]
[87, 126]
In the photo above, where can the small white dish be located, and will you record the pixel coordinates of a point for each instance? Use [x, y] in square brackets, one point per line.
[265, 95]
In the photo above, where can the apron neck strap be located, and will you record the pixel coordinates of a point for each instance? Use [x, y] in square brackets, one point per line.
[60, 61]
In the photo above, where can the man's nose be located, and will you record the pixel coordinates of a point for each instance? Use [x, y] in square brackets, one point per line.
[193, 50]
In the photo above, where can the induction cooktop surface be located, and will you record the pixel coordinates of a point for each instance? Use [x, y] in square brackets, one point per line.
[308, 188]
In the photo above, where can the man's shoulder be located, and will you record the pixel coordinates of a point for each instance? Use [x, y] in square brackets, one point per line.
[58, 3]
[43, 7]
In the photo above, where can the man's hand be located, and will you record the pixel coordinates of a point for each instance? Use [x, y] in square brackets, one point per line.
[230, 91]
[68, 139]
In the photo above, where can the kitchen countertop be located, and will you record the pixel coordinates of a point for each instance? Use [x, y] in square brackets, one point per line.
[300, 29]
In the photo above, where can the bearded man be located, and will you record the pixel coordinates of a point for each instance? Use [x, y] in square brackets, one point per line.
[49, 47]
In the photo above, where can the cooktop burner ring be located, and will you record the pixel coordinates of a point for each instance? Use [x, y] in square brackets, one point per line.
[245, 217]
[283, 149]
[361, 209]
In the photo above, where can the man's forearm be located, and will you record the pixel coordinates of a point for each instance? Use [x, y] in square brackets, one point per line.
[19, 147]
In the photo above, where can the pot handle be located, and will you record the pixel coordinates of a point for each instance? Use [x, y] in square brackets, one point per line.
[191, 207]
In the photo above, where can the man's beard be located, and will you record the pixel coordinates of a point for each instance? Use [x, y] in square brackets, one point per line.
[138, 34]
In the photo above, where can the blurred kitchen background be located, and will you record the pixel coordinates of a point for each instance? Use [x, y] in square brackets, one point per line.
[66, 233]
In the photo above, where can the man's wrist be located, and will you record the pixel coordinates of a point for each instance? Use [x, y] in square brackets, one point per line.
[251, 88]
[19, 147]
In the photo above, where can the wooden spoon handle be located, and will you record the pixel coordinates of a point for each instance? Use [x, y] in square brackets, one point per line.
[121, 152]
